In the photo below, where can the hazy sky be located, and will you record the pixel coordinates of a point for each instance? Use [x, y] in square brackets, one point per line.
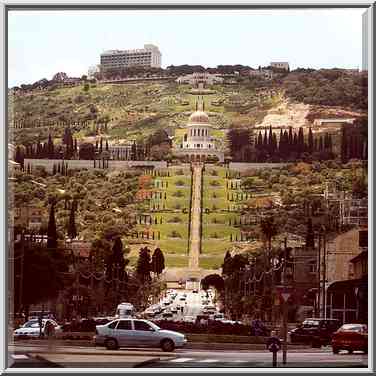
[42, 43]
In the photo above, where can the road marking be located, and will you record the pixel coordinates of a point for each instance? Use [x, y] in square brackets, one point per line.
[181, 360]
[19, 356]
[208, 361]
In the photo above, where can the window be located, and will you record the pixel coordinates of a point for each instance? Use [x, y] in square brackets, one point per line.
[142, 325]
[125, 325]
[113, 325]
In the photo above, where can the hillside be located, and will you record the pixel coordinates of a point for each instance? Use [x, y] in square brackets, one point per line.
[136, 110]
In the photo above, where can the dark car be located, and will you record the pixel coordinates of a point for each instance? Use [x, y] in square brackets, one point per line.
[350, 337]
[317, 332]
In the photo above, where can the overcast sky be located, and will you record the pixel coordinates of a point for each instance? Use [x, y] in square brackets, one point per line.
[42, 43]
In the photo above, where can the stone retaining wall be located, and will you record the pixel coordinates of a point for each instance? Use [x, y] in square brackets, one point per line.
[89, 164]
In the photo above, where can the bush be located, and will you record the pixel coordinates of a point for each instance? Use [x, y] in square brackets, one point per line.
[179, 183]
[178, 194]
[174, 234]
[175, 220]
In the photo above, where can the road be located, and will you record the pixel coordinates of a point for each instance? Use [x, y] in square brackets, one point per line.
[153, 358]
[194, 252]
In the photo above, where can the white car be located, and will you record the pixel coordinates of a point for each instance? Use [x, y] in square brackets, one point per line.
[189, 319]
[137, 333]
[31, 329]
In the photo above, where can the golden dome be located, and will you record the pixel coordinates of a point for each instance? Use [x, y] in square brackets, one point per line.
[199, 117]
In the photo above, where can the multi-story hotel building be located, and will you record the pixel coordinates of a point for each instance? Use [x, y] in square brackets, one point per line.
[149, 56]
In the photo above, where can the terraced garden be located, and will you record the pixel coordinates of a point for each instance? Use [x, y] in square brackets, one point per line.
[223, 200]
[164, 220]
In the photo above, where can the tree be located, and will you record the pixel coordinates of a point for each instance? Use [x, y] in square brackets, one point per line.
[158, 262]
[87, 151]
[143, 267]
[310, 140]
[226, 264]
[72, 231]
[51, 229]
[42, 279]
[269, 229]
[344, 145]
[213, 280]
[310, 236]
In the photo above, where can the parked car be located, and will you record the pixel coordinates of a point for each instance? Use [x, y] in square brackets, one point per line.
[218, 316]
[137, 333]
[31, 329]
[350, 337]
[317, 332]
[195, 291]
[191, 319]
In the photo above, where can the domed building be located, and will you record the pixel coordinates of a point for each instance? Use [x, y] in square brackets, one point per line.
[198, 143]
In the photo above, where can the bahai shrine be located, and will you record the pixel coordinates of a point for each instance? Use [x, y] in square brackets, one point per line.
[198, 144]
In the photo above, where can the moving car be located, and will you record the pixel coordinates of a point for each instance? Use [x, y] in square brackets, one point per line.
[31, 329]
[350, 337]
[314, 331]
[137, 333]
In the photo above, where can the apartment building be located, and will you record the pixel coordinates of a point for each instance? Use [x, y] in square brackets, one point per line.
[149, 56]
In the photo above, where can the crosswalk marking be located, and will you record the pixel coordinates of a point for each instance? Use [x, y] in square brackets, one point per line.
[208, 360]
[19, 356]
[181, 360]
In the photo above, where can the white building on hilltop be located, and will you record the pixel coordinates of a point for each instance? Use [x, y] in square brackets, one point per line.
[149, 56]
[280, 65]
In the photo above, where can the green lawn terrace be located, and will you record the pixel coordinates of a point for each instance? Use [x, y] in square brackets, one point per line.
[163, 219]
[224, 199]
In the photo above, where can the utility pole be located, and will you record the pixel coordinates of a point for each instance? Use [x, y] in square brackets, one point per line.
[284, 346]
[319, 279]
[324, 275]
[22, 270]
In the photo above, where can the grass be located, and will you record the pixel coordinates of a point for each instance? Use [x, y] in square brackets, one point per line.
[211, 262]
[170, 244]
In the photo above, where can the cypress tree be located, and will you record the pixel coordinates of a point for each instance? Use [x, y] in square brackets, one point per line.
[265, 145]
[274, 143]
[158, 262]
[295, 143]
[51, 229]
[301, 141]
[72, 230]
[54, 169]
[106, 145]
[259, 141]
[330, 143]
[270, 140]
[291, 137]
[321, 144]
[101, 145]
[344, 146]
[58, 168]
[50, 147]
[310, 140]
[143, 267]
